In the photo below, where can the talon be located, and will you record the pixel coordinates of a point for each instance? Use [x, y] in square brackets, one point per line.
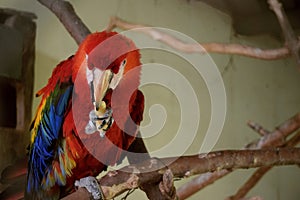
[101, 133]
[99, 121]
[109, 123]
[100, 118]
[92, 186]
[90, 128]
[102, 124]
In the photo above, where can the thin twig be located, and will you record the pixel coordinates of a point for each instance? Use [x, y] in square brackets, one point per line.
[275, 138]
[288, 32]
[258, 128]
[250, 183]
[200, 182]
[259, 173]
[267, 54]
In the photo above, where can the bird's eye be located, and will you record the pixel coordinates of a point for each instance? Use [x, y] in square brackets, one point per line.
[124, 62]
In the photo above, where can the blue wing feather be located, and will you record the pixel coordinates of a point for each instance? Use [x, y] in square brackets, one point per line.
[45, 147]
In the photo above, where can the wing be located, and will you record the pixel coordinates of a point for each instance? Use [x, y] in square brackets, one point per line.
[47, 143]
[124, 140]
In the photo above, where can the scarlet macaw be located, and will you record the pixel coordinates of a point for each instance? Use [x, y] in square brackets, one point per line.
[90, 106]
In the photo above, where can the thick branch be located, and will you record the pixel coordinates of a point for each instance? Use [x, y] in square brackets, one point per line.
[163, 190]
[65, 12]
[275, 138]
[289, 35]
[133, 176]
[268, 54]
[259, 173]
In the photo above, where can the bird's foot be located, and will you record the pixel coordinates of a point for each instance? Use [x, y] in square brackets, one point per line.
[99, 121]
[92, 186]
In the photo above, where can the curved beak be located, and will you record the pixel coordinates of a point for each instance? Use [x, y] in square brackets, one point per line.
[100, 81]
[101, 87]
[100, 116]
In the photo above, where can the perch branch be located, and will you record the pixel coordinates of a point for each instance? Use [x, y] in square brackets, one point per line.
[259, 173]
[258, 128]
[289, 35]
[268, 54]
[163, 189]
[276, 137]
[166, 186]
[151, 171]
[65, 12]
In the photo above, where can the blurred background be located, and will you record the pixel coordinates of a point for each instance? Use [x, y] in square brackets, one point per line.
[266, 92]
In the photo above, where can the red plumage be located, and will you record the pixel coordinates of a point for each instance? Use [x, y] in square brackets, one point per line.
[60, 150]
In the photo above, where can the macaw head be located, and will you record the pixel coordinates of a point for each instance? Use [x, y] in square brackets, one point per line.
[111, 61]
[109, 56]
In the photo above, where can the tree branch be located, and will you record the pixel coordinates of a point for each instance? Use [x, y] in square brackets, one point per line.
[200, 182]
[289, 35]
[151, 171]
[65, 12]
[258, 128]
[259, 173]
[252, 181]
[267, 54]
[277, 137]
